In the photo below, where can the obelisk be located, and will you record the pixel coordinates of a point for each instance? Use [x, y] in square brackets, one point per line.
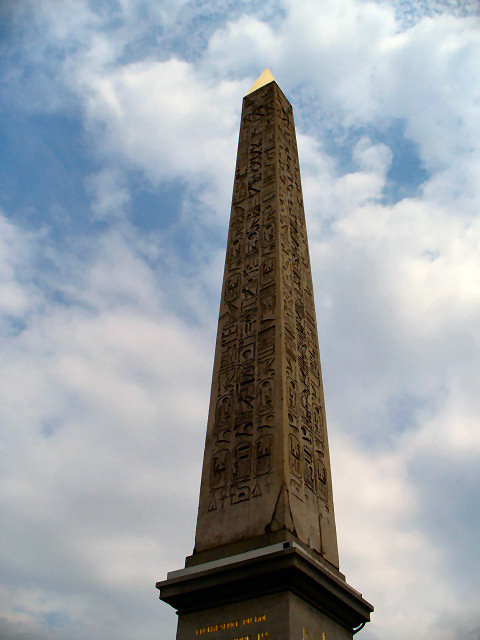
[265, 558]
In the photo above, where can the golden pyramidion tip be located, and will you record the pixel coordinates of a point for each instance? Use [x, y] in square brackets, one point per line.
[263, 79]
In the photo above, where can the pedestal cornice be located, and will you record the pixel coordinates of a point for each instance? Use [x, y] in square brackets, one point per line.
[278, 568]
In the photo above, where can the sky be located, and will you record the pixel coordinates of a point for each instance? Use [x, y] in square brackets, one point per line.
[118, 131]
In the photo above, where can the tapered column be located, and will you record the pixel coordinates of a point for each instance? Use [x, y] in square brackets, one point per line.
[266, 465]
[265, 563]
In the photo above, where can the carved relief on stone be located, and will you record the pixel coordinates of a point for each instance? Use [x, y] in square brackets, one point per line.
[254, 185]
[269, 174]
[242, 461]
[267, 304]
[299, 307]
[224, 412]
[232, 288]
[235, 251]
[241, 166]
[268, 193]
[287, 272]
[246, 373]
[268, 235]
[226, 382]
[255, 152]
[290, 364]
[248, 325]
[229, 333]
[314, 363]
[265, 396]
[228, 356]
[249, 292]
[295, 463]
[246, 352]
[238, 217]
[308, 469]
[245, 398]
[266, 368]
[263, 454]
[317, 419]
[219, 469]
[321, 471]
[267, 271]
[269, 167]
[296, 489]
[250, 264]
[239, 190]
[292, 394]
[222, 436]
[257, 491]
[303, 370]
[321, 478]
[239, 494]
[252, 219]
[251, 242]
[306, 434]
[266, 343]
[269, 132]
[230, 314]
[265, 422]
[268, 211]
[293, 422]
[314, 391]
[243, 426]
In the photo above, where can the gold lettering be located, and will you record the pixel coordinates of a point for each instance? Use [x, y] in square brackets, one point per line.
[212, 628]
[231, 625]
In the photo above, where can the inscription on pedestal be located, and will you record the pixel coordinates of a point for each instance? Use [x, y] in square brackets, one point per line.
[235, 624]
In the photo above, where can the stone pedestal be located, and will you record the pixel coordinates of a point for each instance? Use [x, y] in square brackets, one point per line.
[278, 592]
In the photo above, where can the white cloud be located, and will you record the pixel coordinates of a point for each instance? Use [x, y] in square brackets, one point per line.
[388, 558]
[164, 118]
[89, 394]
[110, 193]
[17, 296]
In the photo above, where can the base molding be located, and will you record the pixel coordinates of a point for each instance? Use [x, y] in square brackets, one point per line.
[253, 584]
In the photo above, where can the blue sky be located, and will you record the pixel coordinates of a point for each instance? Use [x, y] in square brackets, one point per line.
[118, 132]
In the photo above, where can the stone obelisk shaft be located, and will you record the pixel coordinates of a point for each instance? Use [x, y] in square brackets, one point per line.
[266, 465]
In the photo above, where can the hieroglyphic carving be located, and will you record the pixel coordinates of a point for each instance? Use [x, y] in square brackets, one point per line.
[295, 455]
[267, 302]
[244, 410]
[305, 414]
[242, 455]
[219, 470]
[263, 454]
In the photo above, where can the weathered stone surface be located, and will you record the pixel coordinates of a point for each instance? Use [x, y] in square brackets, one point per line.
[266, 465]
[265, 563]
[281, 616]
[282, 591]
